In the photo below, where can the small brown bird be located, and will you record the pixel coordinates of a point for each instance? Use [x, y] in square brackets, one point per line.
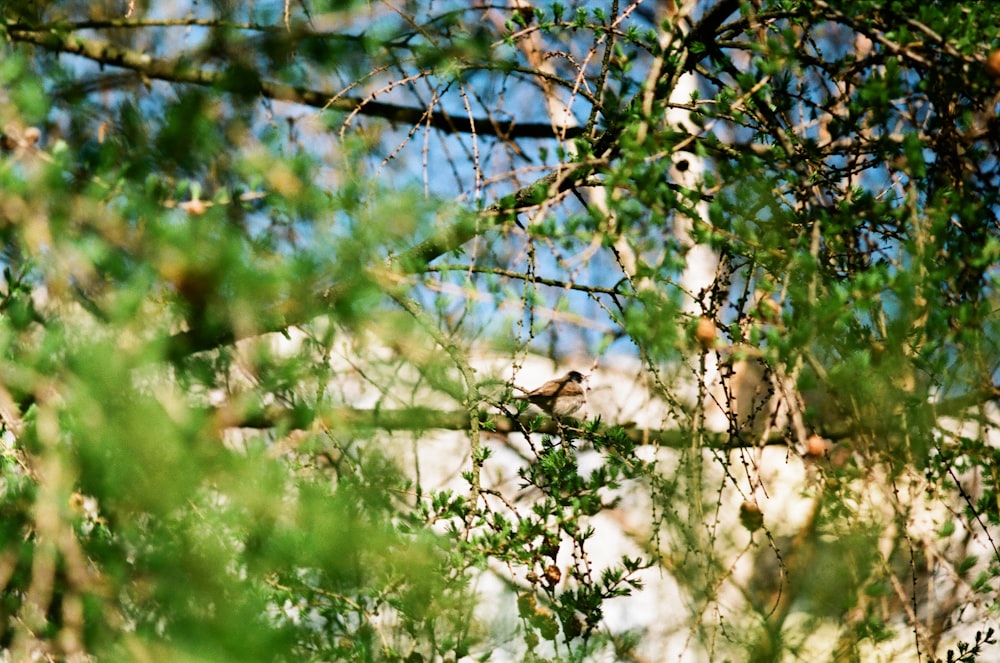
[561, 397]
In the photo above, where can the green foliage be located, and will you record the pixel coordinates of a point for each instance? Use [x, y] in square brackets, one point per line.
[969, 652]
[261, 263]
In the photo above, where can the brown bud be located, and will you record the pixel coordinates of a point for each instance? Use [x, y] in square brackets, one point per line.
[817, 446]
[992, 65]
[77, 503]
[705, 332]
[194, 207]
[751, 516]
[552, 575]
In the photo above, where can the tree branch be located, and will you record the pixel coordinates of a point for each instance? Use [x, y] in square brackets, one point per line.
[448, 239]
[179, 71]
[422, 418]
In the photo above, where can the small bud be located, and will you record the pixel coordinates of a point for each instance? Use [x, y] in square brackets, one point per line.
[77, 503]
[573, 627]
[992, 65]
[817, 446]
[546, 623]
[553, 575]
[751, 516]
[705, 332]
[194, 207]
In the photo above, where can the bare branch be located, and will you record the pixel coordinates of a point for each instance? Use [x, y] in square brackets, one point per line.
[179, 71]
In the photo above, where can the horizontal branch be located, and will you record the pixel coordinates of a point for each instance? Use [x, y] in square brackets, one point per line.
[179, 71]
[425, 418]
[522, 276]
[422, 419]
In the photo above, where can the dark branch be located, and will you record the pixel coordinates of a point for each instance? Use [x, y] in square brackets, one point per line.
[421, 418]
[176, 71]
[454, 236]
